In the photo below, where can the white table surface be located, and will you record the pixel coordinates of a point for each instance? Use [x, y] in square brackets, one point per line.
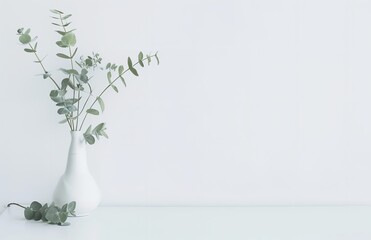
[193, 223]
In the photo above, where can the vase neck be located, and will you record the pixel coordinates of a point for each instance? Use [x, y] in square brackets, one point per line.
[77, 163]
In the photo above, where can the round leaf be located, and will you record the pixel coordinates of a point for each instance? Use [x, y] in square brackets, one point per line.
[25, 38]
[35, 206]
[69, 39]
[28, 213]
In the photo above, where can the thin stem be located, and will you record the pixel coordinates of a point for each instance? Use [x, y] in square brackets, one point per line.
[109, 85]
[16, 204]
[50, 77]
[74, 81]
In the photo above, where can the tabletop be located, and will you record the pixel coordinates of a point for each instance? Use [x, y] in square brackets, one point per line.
[199, 223]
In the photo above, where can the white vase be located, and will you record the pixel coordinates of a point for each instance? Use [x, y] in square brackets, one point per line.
[77, 183]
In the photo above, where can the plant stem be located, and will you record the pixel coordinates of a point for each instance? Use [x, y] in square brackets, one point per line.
[50, 77]
[16, 204]
[109, 85]
[74, 81]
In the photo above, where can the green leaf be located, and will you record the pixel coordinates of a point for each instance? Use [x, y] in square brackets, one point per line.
[109, 76]
[63, 111]
[92, 111]
[46, 75]
[56, 11]
[60, 44]
[123, 80]
[115, 88]
[28, 213]
[38, 216]
[35, 206]
[65, 25]
[61, 55]
[134, 71]
[60, 32]
[88, 62]
[89, 138]
[64, 83]
[72, 206]
[27, 31]
[108, 65]
[121, 69]
[67, 16]
[69, 71]
[149, 59]
[101, 103]
[88, 131]
[158, 60]
[98, 128]
[104, 134]
[140, 59]
[69, 39]
[74, 53]
[53, 93]
[35, 47]
[52, 215]
[25, 38]
[130, 63]
[29, 50]
[64, 208]
[63, 216]
[131, 68]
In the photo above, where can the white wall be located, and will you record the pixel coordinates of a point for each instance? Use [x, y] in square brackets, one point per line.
[255, 102]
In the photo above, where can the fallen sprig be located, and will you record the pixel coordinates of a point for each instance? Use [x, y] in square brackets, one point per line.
[51, 214]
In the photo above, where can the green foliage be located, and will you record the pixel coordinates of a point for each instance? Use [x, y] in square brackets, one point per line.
[51, 214]
[73, 94]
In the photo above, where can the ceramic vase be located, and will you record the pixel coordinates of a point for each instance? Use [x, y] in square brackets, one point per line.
[77, 183]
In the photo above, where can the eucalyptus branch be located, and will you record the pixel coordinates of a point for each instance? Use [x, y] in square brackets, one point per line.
[71, 107]
[73, 77]
[42, 66]
[109, 85]
[49, 76]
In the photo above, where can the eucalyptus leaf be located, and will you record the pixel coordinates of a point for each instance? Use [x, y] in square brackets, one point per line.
[28, 213]
[60, 32]
[140, 59]
[61, 55]
[115, 88]
[123, 80]
[121, 69]
[25, 38]
[56, 11]
[69, 39]
[67, 16]
[60, 44]
[158, 60]
[29, 50]
[63, 217]
[62, 111]
[37, 216]
[74, 53]
[52, 215]
[92, 111]
[101, 103]
[89, 138]
[35, 206]
[72, 206]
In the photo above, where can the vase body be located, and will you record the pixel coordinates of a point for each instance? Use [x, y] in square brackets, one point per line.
[77, 183]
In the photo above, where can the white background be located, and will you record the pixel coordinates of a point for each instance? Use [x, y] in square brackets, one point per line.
[254, 102]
